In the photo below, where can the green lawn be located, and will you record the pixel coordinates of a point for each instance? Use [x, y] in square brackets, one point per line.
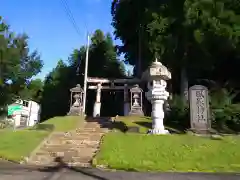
[64, 123]
[183, 153]
[15, 145]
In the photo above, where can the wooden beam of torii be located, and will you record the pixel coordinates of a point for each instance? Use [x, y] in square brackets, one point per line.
[110, 87]
[105, 80]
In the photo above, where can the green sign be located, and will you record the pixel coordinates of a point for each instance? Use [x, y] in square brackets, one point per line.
[13, 108]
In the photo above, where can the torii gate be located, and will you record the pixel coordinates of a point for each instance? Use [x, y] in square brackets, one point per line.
[98, 87]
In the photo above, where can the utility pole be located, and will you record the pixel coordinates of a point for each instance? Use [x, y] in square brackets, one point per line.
[139, 68]
[86, 75]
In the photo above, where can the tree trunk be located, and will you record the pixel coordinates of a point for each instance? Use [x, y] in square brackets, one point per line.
[184, 84]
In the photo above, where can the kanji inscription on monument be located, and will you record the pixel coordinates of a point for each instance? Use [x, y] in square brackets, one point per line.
[199, 108]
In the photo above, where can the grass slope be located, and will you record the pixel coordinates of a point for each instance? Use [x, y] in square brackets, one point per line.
[15, 145]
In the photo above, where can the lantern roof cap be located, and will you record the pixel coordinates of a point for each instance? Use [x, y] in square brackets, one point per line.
[77, 88]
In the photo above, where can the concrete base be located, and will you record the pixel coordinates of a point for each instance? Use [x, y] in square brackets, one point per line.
[136, 112]
[96, 109]
[158, 131]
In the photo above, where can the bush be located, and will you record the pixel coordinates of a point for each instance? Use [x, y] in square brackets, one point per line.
[5, 123]
[179, 112]
[225, 114]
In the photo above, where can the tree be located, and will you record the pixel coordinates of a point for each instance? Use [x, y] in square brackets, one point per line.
[32, 91]
[17, 64]
[103, 61]
[192, 37]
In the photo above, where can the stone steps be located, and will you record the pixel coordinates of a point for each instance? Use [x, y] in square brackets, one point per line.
[75, 148]
[90, 137]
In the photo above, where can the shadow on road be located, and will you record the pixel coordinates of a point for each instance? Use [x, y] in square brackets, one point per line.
[62, 165]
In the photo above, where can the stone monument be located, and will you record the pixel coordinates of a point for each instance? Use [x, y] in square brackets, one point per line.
[199, 109]
[156, 76]
[136, 101]
[76, 105]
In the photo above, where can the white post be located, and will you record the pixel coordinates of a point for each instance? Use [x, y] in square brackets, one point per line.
[126, 107]
[85, 75]
[97, 104]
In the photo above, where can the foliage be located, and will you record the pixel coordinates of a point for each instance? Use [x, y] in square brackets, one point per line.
[199, 36]
[17, 64]
[5, 123]
[32, 90]
[179, 112]
[178, 153]
[224, 111]
[56, 94]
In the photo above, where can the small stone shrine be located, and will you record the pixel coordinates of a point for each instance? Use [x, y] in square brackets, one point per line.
[76, 104]
[199, 109]
[136, 101]
[156, 76]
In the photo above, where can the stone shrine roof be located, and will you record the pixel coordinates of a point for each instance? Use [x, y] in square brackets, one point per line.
[156, 71]
[136, 89]
[77, 88]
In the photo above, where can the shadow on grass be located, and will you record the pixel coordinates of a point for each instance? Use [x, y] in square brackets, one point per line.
[172, 128]
[43, 127]
[106, 122]
[62, 165]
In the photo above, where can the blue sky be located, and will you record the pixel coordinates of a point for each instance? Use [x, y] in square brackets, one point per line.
[48, 26]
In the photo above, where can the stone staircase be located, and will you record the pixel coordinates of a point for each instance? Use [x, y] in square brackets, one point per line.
[75, 148]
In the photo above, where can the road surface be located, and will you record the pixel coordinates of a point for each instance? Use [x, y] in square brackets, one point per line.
[16, 172]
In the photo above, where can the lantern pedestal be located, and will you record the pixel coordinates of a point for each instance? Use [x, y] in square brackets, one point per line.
[156, 76]
[157, 99]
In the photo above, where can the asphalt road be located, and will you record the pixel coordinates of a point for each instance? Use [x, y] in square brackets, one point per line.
[16, 172]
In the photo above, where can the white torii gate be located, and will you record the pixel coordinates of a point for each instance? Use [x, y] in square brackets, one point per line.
[99, 88]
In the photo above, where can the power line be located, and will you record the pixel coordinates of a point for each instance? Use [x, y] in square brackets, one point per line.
[72, 20]
[70, 16]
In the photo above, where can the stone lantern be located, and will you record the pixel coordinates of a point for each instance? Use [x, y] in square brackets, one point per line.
[136, 101]
[76, 103]
[156, 76]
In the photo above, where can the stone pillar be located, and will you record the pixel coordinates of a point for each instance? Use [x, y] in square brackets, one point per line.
[157, 95]
[97, 104]
[156, 76]
[126, 105]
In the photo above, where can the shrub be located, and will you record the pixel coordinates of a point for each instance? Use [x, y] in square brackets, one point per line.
[225, 114]
[179, 112]
[5, 123]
